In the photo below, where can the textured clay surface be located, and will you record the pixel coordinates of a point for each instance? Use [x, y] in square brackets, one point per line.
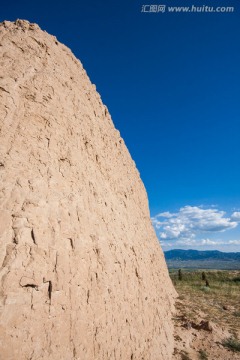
[82, 273]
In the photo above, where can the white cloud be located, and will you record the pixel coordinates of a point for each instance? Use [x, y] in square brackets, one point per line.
[202, 243]
[236, 216]
[167, 214]
[190, 221]
[210, 242]
[234, 242]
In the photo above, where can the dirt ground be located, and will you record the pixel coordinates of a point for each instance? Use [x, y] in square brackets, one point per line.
[204, 321]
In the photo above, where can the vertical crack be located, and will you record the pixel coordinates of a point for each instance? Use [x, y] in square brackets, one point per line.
[33, 237]
[50, 291]
[50, 287]
[71, 243]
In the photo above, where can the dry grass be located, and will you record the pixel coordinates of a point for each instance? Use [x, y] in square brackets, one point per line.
[203, 355]
[232, 344]
[218, 302]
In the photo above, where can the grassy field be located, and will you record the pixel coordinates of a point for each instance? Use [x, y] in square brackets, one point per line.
[214, 296]
[204, 264]
[220, 301]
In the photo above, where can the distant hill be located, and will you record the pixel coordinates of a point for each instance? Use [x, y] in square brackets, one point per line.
[179, 254]
[202, 259]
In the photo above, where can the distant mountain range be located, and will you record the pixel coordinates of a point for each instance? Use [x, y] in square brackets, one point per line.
[202, 259]
[200, 255]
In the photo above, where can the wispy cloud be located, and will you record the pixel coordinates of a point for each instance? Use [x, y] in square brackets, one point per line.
[214, 242]
[190, 221]
[201, 243]
[236, 216]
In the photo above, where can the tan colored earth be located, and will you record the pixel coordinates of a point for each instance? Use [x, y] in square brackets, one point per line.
[200, 339]
[82, 273]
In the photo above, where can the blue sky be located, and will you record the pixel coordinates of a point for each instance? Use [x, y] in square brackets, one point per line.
[172, 85]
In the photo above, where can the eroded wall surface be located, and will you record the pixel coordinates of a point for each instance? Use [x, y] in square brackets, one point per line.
[82, 273]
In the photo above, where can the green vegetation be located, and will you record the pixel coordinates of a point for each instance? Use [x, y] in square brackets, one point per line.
[204, 264]
[232, 343]
[203, 355]
[180, 275]
[184, 355]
